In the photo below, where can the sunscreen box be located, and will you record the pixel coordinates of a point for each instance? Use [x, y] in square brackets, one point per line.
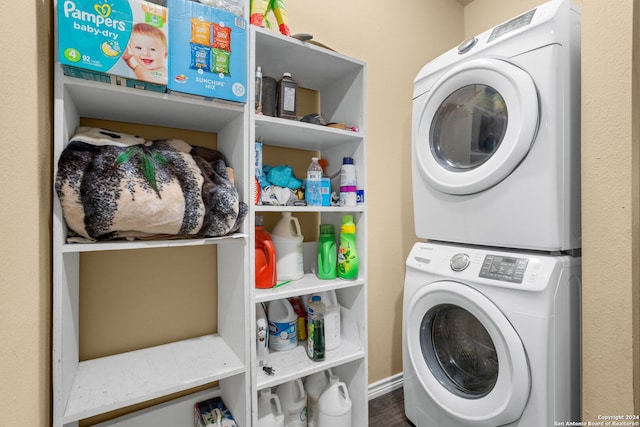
[128, 39]
[208, 51]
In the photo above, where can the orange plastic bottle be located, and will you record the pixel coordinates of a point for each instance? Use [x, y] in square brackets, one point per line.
[265, 257]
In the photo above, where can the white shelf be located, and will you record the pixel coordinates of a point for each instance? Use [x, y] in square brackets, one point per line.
[141, 244]
[309, 284]
[111, 102]
[305, 136]
[292, 364]
[303, 209]
[113, 382]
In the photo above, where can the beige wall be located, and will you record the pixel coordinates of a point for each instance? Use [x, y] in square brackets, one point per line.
[395, 43]
[25, 167]
[610, 159]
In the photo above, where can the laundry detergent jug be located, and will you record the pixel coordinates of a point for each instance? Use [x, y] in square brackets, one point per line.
[315, 384]
[327, 253]
[283, 325]
[269, 409]
[266, 275]
[334, 405]
[293, 399]
[287, 240]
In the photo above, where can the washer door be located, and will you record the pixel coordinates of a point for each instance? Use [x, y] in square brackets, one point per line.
[466, 355]
[476, 125]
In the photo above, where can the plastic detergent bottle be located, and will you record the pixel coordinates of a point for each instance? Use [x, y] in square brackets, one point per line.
[266, 274]
[296, 303]
[315, 384]
[331, 319]
[293, 399]
[348, 184]
[269, 409]
[313, 184]
[315, 329]
[287, 240]
[334, 405]
[327, 253]
[347, 255]
[283, 329]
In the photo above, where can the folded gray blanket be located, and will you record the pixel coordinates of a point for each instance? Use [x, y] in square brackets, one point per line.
[117, 186]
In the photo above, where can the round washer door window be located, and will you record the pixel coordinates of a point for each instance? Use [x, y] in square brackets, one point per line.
[476, 125]
[466, 355]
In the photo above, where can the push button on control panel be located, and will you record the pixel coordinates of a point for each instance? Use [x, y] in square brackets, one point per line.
[459, 262]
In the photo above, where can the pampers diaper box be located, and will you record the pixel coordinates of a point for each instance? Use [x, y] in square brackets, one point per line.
[207, 51]
[119, 41]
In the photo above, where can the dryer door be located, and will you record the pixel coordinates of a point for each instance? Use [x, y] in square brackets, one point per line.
[475, 126]
[466, 354]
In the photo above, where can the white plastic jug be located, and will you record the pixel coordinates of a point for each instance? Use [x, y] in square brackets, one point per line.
[293, 399]
[269, 409]
[334, 405]
[315, 385]
[331, 319]
[287, 239]
[283, 325]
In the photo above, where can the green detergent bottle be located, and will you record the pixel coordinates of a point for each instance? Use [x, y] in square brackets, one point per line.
[347, 255]
[327, 253]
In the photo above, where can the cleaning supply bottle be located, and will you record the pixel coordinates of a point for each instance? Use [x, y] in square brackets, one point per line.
[313, 184]
[287, 97]
[293, 400]
[287, 240]
[269, 409]
[262, 335]
[315, 329]
[334, 405]
[315, 384]
[296, 303]
[266, 273]
[347, 255]
[331, 319]
[348, 184]
[258, 88]
[327, 253]
[283, 325]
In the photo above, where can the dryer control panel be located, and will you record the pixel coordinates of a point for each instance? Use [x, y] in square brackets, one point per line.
[507, 269]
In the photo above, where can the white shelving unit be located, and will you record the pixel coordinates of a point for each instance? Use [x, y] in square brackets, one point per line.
[341, 84]
[88, 388]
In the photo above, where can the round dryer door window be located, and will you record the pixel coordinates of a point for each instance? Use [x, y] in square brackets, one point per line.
[476, 125]
[467, 356]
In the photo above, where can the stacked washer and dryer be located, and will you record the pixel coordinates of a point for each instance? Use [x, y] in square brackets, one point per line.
[491, 322]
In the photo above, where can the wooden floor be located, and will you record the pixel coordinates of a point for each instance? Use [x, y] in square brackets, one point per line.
[388, 410]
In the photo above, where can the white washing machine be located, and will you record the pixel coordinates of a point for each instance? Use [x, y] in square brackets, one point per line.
[496, 136]
[491, 337]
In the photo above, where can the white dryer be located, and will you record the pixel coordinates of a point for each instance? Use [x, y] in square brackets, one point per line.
[496, 136]
[491, 337]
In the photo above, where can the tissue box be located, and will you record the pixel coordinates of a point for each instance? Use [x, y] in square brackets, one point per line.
[207, 51]
[123, 38]
[213, 412]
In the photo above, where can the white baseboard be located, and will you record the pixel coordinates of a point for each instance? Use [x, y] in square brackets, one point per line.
[385, 385]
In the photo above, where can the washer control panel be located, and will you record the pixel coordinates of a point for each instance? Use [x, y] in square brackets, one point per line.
[507, 269]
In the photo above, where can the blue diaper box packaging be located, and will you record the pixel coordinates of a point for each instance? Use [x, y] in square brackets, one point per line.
[123, 42]
[207, 51]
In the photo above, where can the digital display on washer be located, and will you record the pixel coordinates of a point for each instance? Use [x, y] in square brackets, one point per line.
[506, 269]
[514, 24]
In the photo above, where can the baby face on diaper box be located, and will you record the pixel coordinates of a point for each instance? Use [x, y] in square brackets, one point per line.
[127, 38]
